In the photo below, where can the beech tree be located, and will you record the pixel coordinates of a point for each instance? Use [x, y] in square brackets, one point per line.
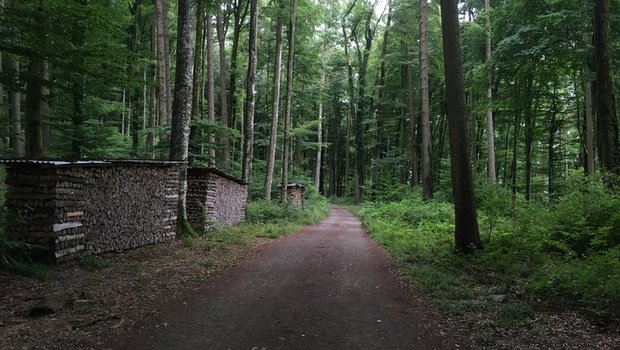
[250, 95]
[182, 104]
[607, 120]
[289, 99]
[277, 70]
[466, 222]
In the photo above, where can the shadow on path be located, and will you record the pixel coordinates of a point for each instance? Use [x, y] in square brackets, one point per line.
[328, 286]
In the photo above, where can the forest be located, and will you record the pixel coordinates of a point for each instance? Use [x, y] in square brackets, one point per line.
[399, 109]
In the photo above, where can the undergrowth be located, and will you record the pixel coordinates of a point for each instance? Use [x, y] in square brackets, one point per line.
[564, 253]
[269, 220]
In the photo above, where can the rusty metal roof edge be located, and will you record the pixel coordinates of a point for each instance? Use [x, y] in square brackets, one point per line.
[85, 162]
[219, 172]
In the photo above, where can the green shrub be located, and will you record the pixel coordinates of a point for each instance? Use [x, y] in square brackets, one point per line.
[563, 252]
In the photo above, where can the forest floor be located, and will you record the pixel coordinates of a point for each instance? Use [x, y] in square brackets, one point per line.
[326, 286]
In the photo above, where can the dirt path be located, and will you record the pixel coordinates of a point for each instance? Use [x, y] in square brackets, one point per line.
[326, 287]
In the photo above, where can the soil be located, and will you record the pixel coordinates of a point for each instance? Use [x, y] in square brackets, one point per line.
[328, 286]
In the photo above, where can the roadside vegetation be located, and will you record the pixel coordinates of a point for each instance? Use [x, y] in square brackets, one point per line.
[539, 254]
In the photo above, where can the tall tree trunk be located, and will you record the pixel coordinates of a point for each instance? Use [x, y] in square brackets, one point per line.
[515, 149]
[221, 39]
[317, 171]
[424, 100]
[197, 96]
[382, 109]
[551, 142]
[34, 107]
[529, 138]
[240, 13]
[210, 88]
[78, 89]
[490, 130]
[466, 231]
[415, 174]
[589, 129]
[153, 115]
[273, 136]
[607, 120]
[351, 103]
[250, 95]
[133, 71]
[12, 68]
[47, 126]
[182, 104]
[164, 95]
[289, 98]
[2, 105]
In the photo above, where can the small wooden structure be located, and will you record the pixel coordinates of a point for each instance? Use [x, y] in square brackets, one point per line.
[86, 207]
[214, 198]
[295, 194]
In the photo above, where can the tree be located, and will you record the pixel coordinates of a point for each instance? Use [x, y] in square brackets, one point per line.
[607, 120]
[319, 135]
[490, 130]
[273, 136]
[289, 98]
[424, 103]
[164, 95]
[182, 104]
[221, 38]
[466, 231]
[210, 88]
[250, 97]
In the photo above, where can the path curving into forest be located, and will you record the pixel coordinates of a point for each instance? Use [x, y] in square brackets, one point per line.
[328, 286]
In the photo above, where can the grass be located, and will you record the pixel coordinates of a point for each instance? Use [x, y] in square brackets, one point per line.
[269, 220]
[93, 262]
[560, 254]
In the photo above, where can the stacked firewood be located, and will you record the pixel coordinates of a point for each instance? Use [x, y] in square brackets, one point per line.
[214, 199]
[86, 209]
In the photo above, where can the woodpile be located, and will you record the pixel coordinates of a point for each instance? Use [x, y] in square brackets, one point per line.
[91, 207]
[295, 194]
[214, 198]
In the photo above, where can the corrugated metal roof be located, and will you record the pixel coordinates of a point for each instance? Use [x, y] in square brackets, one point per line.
[217, 172]
[68, 163]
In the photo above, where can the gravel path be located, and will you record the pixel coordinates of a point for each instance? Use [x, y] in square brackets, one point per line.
[328, 286]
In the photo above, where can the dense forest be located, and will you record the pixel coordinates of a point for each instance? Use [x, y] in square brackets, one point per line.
[363, 107]
[374, 101]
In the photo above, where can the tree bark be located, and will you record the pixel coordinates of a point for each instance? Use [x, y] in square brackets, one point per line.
[34, 107]
[317, 170]
[382, 112]
[273, 136]
[239, 17]
[210, 89]
[424, 100]
[47, 126]
[164, 95]
[221, 38]
[250, 95]
[197, 96]
[415, 174]
[289, 98]
[607, 120]
[466, 231]
[2, 105]
[12, 68]
[589, 121]
[182, 104]
[490, 129]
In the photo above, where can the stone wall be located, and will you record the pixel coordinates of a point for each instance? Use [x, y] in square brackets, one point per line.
[214, 198]
[70, 208]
